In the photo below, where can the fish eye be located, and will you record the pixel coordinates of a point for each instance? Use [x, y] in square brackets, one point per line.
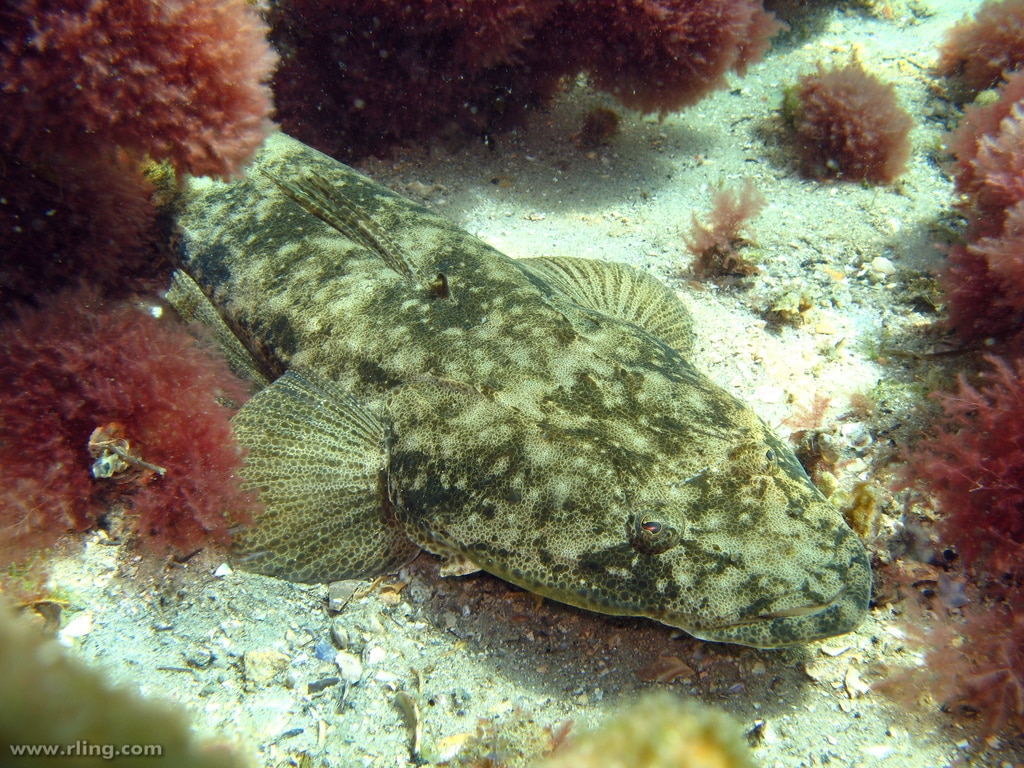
[649, 535]
[770, 455]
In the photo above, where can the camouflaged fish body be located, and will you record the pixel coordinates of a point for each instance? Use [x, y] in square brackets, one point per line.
[539, 419]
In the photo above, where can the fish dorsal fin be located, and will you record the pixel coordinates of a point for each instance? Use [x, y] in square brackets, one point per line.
[328, 203]
[317, 458]
[194, 306]
[620, 291]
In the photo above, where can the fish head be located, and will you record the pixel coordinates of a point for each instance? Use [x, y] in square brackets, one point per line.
[747, 550]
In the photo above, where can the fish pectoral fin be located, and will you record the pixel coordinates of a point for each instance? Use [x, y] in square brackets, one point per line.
[194, 306]
[317, 458]
[621, 291]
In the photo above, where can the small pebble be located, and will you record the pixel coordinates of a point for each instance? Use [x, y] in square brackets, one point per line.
[339, 633]
[857, 434]
[883, 266]
[880, 269]
[325, 682]
[323, 650]
[448, 747]
[222, 570]
[878, 751]
[825, 327]
[80, 626]
[349, 666]
[339, 593]
[855, 687]
[200, 658]
[261, 667]
[375, 655]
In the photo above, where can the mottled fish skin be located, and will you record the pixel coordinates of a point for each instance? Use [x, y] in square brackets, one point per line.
[555, 445]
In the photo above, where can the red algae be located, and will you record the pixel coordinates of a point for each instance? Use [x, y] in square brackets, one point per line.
[92, 218]
[418, 70]
[79, 364]
[981, 50]
[93, 90]
[984, 277]
[716, 246]
[186, 82]
[848, 125]
[975, 467]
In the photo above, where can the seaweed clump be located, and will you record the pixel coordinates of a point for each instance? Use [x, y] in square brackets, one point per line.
[979, 51]
[716, 246]
[984, 278]
[92, 91]
[358, 79]
[974, 465]
[599, 126]
[848, 125]
[107, 406]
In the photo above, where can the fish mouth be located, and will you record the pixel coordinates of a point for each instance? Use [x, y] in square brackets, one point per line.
[797, 611]
[838, 614]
